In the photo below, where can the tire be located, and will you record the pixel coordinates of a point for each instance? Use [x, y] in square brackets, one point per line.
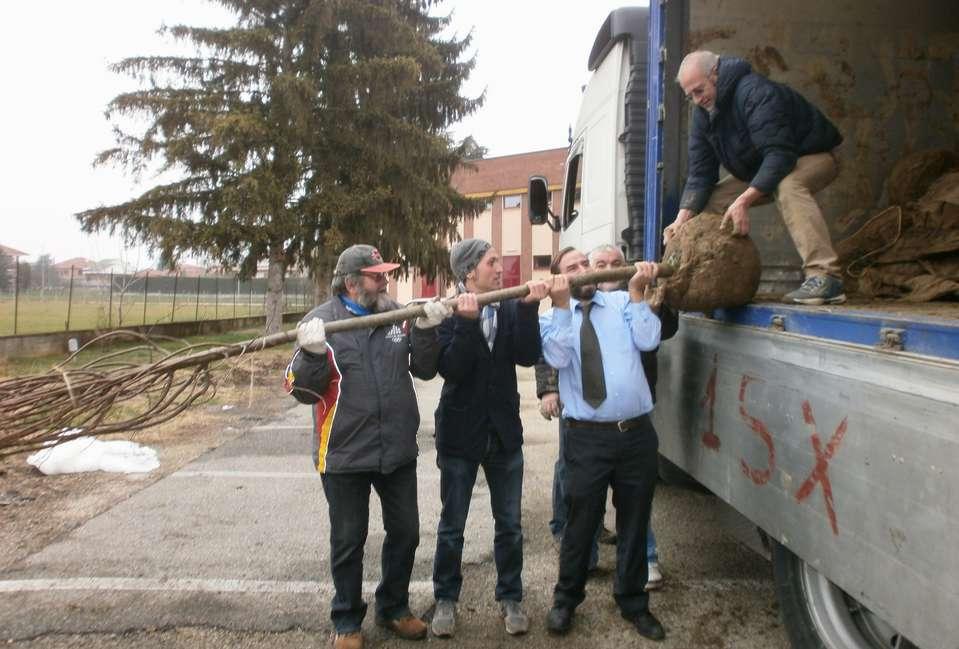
[819, 615]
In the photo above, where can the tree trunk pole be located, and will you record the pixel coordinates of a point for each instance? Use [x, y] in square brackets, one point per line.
[387, 317]
[146, 285]
[110, 304]
[176, 282]
[16, 293]
[70, 299]
[274, 291]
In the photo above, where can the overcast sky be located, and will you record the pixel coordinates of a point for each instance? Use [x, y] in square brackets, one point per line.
[531, 61]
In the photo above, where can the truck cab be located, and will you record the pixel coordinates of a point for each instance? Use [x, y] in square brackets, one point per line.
[831, 430]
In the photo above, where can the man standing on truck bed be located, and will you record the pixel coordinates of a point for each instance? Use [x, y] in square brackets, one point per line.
[776, 145]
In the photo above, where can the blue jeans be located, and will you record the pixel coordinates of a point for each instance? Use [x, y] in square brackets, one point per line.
[348, 497]
[561, 507]
[504, 477]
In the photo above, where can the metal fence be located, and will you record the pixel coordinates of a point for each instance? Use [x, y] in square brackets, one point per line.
[107, 301]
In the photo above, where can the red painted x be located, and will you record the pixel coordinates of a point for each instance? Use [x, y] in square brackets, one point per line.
[820, 472]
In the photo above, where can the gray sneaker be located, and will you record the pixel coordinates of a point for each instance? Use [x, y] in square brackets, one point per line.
[816, 290]
[516, 621]
[444, 618]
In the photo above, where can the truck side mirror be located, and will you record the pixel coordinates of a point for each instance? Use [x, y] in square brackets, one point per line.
[539, 212]
[538, 200]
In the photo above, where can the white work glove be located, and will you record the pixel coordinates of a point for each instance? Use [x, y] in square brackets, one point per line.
[311, 336]
[436, 312]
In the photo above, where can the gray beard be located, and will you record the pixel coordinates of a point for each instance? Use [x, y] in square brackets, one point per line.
[375, 302]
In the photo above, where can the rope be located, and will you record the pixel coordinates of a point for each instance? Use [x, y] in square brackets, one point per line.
[883, 248]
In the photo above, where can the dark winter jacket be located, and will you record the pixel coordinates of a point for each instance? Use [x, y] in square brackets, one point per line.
[759, 130]
[547, 377]
[365, 415]
[479, 394]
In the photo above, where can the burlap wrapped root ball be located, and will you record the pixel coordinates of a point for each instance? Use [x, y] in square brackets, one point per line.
[712, 268]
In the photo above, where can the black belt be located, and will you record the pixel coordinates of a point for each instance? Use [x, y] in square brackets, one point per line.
[622, 425]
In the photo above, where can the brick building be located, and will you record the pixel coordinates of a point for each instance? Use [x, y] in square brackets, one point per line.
[526, 250]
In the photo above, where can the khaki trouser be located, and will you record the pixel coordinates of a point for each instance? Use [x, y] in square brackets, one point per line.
[800, 211]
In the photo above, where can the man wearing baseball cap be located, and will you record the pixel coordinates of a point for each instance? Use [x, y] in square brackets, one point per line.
[365, 421]
[478, 424]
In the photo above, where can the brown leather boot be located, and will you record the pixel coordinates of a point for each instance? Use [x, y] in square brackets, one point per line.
[348, 640]
[408, 628]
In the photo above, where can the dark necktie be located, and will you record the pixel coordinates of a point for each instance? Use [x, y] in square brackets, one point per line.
[594, 383]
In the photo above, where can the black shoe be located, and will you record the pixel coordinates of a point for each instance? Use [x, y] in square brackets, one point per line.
[647, 625]
[559, 620]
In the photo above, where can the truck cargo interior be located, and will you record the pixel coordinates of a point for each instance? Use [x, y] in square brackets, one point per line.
[825, 428]
[886, 73]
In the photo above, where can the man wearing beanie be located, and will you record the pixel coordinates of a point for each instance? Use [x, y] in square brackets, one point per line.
[365, 419]
[478, 424]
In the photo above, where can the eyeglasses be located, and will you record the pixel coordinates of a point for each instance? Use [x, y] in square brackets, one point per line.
[376, 277]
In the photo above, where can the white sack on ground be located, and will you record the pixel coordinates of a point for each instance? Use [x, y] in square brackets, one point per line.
[90, 454]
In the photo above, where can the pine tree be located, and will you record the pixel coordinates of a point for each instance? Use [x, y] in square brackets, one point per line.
[472, 149]
[6, 272]
[24, 276]
[307, 126]
[43, 275]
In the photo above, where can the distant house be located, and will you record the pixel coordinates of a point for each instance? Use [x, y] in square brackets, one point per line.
[76, 267]
[12, 252]
[525, 250]
[191, 270]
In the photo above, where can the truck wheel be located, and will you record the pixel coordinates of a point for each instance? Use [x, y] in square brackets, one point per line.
[819, 615]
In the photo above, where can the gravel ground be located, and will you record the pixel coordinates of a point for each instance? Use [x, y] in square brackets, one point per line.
[717, 594]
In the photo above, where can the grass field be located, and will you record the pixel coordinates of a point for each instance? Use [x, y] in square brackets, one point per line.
[49, 314]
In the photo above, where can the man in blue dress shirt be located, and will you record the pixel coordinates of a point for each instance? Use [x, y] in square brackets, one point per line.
[595, 340]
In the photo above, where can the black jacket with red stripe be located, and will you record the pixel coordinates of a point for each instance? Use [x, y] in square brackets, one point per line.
[364, 407]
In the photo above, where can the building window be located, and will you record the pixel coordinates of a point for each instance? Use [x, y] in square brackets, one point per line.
[541, 262]
[512, 202]
[488, 206]
[511, 271]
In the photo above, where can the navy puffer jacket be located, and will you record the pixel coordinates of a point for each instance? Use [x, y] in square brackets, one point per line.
[759, 130]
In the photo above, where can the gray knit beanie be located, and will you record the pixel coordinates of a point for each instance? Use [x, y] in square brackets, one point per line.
[465, 255]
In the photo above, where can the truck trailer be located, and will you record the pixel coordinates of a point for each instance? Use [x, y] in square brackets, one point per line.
[832, 431]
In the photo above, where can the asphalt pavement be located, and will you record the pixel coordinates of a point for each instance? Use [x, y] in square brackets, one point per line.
[233, 550]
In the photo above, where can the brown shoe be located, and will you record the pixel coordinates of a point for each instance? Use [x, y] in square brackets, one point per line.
[348, 640]
[408, 627]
